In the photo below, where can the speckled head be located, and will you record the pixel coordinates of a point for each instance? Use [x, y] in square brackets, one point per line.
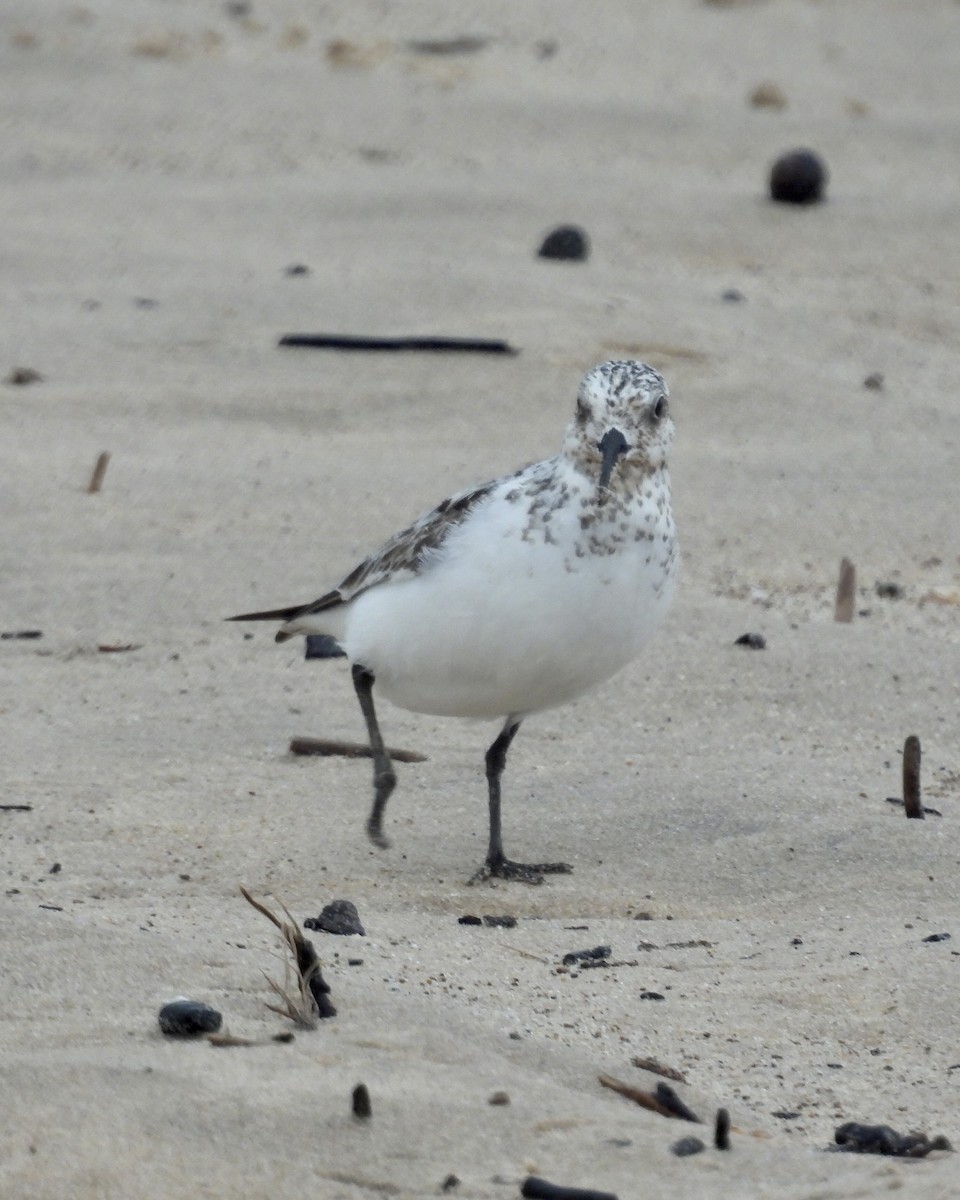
[622, 421]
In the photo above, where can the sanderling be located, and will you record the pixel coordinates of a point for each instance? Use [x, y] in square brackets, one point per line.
[519, 594]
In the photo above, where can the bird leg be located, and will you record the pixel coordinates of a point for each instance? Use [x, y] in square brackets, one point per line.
[384, 777]
[497, 863]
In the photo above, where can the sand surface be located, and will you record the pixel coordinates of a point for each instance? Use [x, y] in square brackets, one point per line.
[163, 164]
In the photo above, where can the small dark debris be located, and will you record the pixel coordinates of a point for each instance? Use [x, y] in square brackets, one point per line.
[672, 1102]
[534, 1188]
[434, 345]
[296, 269]
[455, 45]
[733, 296]
[20, 376]
[575, 956]
[120, 648]
[21, 635]
[338, 917]
[187, 1018]
[322, 645]
[835, 1066]
[469, 919]
[721, 1130]
[754, 641]
[145, 302]
[647, 946]
[888, 590]
[568, 242]
[56, 868]
[354, 962]
[452, 1181]
[881, 1139]
[684, 1147]
[798, 177]
[334, 747]
[499, 1100]
[362, 1109]
[505, 922]
[785, 1115]
[937, 937]
[874, 381]
[796, 941]
[285, 1038]
[652, 996]
[51, 907]
[16, 808]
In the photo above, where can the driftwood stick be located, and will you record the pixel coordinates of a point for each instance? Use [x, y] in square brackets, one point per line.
[333, 746]
[442, 345]
[911, 778]
[99, 470]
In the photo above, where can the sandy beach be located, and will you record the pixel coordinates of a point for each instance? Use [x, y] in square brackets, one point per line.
[771, 916]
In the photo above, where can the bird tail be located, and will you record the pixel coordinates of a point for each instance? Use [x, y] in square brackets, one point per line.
[275, 614]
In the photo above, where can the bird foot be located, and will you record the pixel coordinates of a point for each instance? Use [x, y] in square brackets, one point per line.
[533, 873]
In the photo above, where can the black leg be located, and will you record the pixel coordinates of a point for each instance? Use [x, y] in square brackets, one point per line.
[384, 778]
[497, 863]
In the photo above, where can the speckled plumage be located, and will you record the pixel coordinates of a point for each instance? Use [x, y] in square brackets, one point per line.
[522, 593]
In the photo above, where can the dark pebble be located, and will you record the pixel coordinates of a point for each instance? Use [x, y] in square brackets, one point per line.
[672, 1102]
[568, 242]
[362, 1108]
[652, 996]
[500, 922]
[582, 955]
[322, 645]
[20, 376]
[881, 1139]
[451, 1182]
[721, 1130]
[187, 1018]
[938, 937]
[888, 590]
[469, 920]
[687, 1146]
[798, 177]
[874, 381]
[534, 1188]
[297, 269]
[733, 296]
[340, 917]
[754, 641]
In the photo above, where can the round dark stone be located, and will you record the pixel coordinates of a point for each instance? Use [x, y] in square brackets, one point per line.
[187, 1018]
[339, 916]
[687, 1146]
[566, 241]
[799, 177]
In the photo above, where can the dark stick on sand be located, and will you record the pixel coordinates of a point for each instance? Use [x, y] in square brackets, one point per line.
[433, 345]
[846, 592]
[331, 747]
[16, 808]
[360, 1102]
[911, 778]
[721, 1130]
[99, 470]
[535, 1188]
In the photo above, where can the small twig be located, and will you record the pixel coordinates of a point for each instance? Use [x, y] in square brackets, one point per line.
[846, 592]
[332, 746]
[911, 778]
[99, 470]
[20, 808]
[442, 345]
[651, 1064]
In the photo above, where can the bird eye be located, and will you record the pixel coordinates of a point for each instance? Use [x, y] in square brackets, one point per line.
[660, 407]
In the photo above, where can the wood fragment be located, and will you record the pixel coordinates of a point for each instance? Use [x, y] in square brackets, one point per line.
[332, 747]
[637, 1095]
[846, 592]
[120, 647]
[441, 345]
[360, 1102]
[227, 1039]
[911, 778]
[21, 635]
[24, 808]
[656, 1068]
[99, 470]
[535, 1188]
